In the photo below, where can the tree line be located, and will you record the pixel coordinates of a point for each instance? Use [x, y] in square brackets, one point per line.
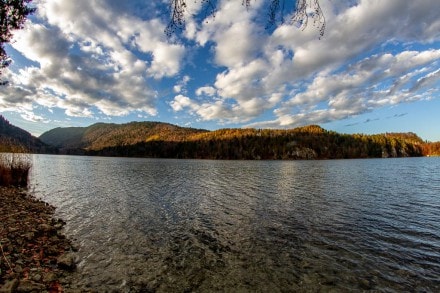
[310, 142]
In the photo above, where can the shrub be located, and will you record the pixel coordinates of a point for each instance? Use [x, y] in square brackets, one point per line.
[14, 169]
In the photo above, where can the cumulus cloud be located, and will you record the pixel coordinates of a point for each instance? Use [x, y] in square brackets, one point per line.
[306, 80]
[113, 58]
[206, 90]
[361, 89]
[180, 87]
[205, 110]
[93, 58]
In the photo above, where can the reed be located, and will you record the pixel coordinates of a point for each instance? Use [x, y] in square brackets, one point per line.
[14, 169]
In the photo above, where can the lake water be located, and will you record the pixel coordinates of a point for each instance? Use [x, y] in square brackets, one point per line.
[250, 226]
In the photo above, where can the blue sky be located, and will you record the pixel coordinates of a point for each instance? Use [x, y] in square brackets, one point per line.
[376, 69]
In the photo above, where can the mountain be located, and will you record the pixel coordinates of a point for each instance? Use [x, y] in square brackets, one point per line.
[15, 139]
[105, 135]
[163, 140]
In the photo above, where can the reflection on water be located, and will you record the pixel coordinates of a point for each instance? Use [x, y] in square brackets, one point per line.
[190, 225]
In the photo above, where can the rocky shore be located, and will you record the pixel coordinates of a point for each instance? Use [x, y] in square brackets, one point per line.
[34, 255]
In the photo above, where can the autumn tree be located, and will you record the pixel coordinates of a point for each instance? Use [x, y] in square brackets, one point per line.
[13, 14]
[304, 12]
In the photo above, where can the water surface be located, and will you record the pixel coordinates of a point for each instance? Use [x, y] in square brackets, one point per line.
[261, 226]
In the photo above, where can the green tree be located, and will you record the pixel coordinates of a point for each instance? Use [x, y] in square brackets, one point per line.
[13, 14]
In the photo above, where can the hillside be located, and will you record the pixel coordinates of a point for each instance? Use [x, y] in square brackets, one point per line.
[106, 135]
[15, 139]
[163, 140]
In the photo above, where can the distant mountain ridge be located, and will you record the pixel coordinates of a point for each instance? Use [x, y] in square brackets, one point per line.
[13, 139]
[104, 135]
[164, 140]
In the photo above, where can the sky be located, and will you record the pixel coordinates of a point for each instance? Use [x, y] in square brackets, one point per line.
[375, 70]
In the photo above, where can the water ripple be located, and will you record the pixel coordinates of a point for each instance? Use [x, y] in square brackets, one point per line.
[174, 226]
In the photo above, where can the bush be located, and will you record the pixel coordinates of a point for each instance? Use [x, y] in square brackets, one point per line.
[14, 169]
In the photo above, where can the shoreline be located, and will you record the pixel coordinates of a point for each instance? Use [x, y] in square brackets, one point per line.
[35, 255]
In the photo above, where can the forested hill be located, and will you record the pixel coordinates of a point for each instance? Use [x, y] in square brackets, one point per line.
[15, 139]
[163, 140]
[106, 135]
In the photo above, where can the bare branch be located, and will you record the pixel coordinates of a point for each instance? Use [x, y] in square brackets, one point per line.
[309, 9]
[178, 9]
[304, 11]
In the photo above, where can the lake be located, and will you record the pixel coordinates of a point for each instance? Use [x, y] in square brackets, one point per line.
[251, 226]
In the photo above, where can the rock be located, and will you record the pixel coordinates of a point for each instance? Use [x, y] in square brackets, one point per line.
[36, 277]
[29, 236]
[32, 240]
[29, 286]
[18, 269]
[66, 262]
[49, 277]
[365, 284]
[60, 221]
[12, 230]
[52, 250]
[46, 228]
[9, 286]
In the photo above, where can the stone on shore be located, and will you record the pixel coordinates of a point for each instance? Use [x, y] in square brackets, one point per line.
[29, 286]
[66, 262]
[35, 255]
[10, 286]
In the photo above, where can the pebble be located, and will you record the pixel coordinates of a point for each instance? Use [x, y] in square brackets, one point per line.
[10, 286]
[32, 243]
[36, 277]
[365, 284]
[66, 262]
[49, 277]
[46, 228]
[29, 286]
[18, 269]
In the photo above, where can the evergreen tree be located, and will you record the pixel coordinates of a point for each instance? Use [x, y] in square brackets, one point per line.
[13, 14]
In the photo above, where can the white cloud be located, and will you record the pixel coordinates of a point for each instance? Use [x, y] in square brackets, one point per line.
[180, 87]
[361, 89]
[180, 102]
[206, 90]
[206, 111]
[166, 60]
[234, 34]
[87, 59]
[320, 80]
[109, 56]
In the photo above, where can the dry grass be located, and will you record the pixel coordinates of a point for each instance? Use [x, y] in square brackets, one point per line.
[14, 169]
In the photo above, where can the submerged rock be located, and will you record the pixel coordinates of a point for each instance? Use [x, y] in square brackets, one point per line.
[66, 262]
